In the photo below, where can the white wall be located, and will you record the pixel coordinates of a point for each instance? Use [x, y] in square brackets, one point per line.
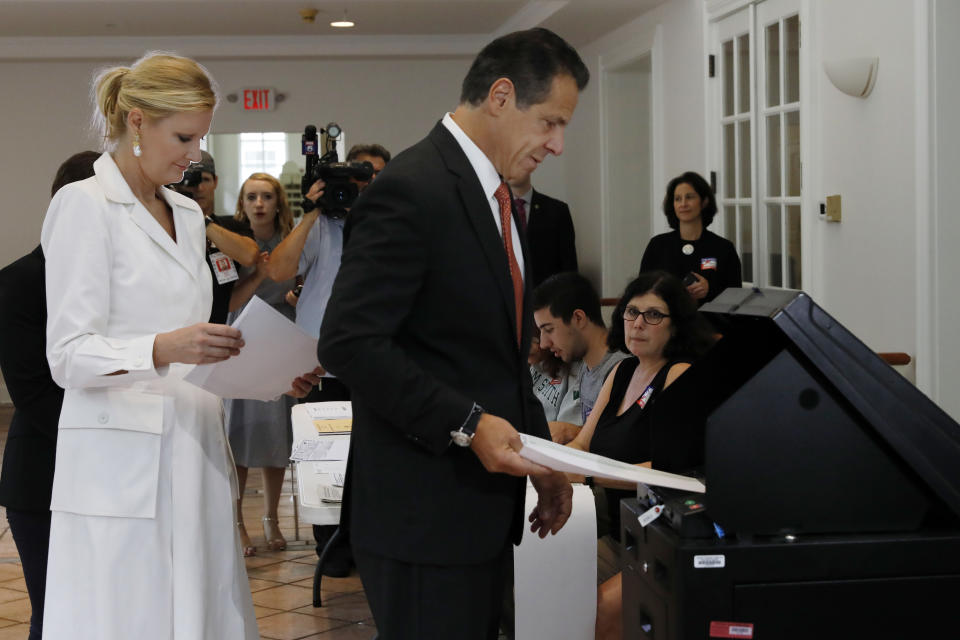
[866, 264]
[946, 108]
[681, 129]
[627, 142]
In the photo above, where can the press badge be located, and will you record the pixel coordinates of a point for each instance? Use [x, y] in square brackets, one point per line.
[223, 267]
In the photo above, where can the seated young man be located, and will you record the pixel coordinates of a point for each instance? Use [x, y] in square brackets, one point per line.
[556, 385]
[566, 309]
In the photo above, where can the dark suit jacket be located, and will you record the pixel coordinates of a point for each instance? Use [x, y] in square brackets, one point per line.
[550, 236]
[26, 478]
[420, 325]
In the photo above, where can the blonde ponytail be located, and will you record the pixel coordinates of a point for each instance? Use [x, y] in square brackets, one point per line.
[159, 84]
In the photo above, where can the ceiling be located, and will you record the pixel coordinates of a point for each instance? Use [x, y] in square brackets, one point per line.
[579, 21]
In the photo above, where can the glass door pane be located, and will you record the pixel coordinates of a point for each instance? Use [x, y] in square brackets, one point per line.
[726, 73]
[773, 155]
[792, 136]
[745, 237]
[772, 63]
[745, 166]
[743, 74]
[791, 76]
[774, 246]
[793, 247]
[729, 168]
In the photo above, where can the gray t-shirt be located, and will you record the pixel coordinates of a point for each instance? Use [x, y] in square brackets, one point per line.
[570, 409]
[559, 396]
[592, 380]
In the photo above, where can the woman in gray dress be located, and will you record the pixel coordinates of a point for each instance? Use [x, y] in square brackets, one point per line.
[260, 432]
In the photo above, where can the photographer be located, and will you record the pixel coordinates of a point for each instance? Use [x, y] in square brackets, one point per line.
[312, 250]
[375, 154]
[228, 241]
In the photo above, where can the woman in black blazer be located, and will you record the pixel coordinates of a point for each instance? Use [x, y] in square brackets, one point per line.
[26, 477]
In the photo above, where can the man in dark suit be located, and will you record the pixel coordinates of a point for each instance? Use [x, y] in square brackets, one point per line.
[549, 228]
[26, 478]
[429, 327]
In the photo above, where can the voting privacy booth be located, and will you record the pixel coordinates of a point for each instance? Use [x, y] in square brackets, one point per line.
[832, 507]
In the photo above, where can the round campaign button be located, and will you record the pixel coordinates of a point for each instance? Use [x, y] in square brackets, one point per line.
[687, 249]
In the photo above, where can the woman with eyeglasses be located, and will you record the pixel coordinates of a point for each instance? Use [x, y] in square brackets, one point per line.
[659, 325]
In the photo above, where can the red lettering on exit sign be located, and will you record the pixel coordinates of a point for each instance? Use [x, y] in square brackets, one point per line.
[257, 99]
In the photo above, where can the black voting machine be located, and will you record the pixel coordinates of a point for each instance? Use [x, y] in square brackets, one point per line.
[834, 482]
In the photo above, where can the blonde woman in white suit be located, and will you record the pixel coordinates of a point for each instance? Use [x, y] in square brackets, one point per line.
[142, 540]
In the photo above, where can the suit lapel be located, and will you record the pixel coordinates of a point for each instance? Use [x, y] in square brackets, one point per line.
[478, 213]
[149, 225]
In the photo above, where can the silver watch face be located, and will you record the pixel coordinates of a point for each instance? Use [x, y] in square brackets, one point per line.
[460, 438]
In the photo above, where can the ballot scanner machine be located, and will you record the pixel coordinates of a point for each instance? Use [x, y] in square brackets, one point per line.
[832, 507]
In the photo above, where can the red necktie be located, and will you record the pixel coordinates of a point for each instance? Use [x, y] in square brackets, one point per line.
[502, 194]
[521, 205]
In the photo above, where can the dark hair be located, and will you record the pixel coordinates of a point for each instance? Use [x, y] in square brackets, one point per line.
[530, 60]
[77, 167]
[702, 187]
[566, 292]
[691, 335]
[375, 150]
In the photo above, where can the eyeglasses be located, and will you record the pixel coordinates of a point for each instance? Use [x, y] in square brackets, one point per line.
[650, 316]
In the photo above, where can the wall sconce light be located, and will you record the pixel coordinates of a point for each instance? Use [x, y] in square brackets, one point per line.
[853, 76]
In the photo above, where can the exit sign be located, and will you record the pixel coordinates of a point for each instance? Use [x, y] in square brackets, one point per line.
[257, 99]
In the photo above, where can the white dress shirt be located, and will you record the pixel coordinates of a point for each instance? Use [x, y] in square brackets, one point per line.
[489, 180]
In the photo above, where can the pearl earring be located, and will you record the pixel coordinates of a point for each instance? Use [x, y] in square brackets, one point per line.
[137, 151]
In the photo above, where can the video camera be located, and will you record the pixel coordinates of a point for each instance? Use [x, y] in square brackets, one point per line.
[340, 191]
[191, 178]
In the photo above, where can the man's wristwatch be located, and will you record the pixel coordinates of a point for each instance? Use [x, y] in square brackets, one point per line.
[463, 436]
[207, 221]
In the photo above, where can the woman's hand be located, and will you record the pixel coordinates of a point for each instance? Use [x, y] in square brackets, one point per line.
[699, 289]
[201, 343]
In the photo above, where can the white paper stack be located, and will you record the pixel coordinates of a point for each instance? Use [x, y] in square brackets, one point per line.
[276, 352]
[570, 460]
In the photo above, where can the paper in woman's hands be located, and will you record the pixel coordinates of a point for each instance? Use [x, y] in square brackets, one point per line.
[275, 352]
[570, 460]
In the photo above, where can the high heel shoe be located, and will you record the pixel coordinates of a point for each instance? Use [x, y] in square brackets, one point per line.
[248, 549]
[277, 541]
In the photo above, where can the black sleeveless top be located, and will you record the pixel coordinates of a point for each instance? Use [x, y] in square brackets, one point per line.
[627, 437]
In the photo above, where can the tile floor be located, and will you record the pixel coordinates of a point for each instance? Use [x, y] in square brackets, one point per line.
[281, 582]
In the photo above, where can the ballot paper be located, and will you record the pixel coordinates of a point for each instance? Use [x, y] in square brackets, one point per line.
[321, 449]
[570, 460]
[275, 352]
[329, 410]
